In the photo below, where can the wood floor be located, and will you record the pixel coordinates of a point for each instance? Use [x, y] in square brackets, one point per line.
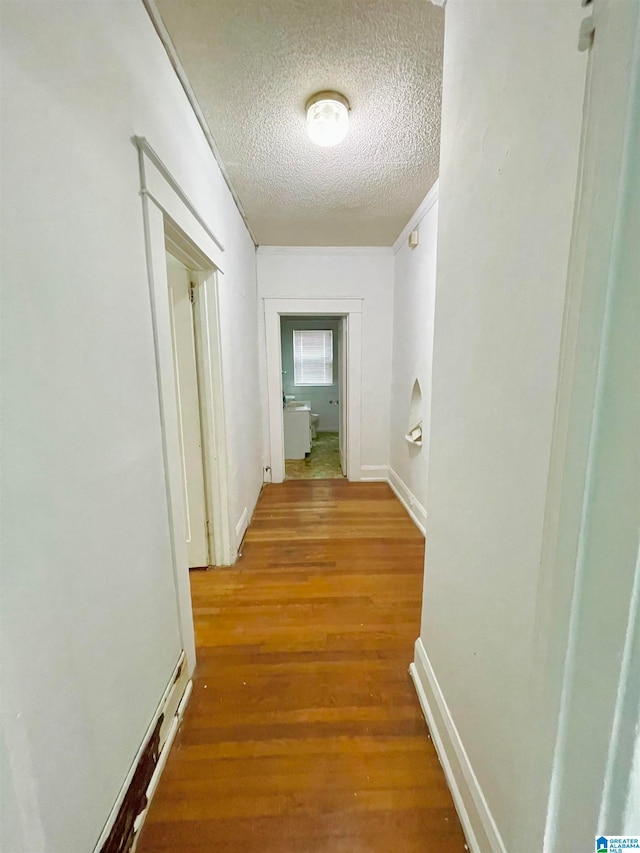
[304, 733]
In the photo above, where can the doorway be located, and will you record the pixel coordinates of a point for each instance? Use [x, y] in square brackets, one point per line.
[173, 224]
[350, 310]
[182, 283]
[313, 394]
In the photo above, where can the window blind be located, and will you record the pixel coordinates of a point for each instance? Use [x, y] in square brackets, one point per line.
[313, 357]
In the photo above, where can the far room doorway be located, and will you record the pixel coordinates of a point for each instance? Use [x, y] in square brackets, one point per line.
[350, 311]
[314, 383]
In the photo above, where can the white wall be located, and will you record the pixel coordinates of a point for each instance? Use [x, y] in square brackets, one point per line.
[367, 274]
[322, 397]
[591, 565]
[512, 101]
[89, 623]
[631, 824]
[414, 293]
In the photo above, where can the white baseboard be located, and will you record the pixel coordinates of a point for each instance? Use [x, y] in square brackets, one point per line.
[410, 502]
[477, 821]
[241, 526]
[172, 705]
[374, 473]
[162, 760]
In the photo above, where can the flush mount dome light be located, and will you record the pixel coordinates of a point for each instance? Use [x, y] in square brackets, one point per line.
[327, 118]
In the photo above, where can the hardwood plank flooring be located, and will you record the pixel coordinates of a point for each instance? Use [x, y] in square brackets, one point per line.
[304, 733]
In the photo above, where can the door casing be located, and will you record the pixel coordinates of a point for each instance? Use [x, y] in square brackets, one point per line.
[351, 311]
[173, 224]
[182, 287]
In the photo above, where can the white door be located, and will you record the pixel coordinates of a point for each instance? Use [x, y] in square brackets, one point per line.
[342, 393]
[186, 375]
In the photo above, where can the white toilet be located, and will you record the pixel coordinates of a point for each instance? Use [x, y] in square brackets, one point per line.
[315, 420]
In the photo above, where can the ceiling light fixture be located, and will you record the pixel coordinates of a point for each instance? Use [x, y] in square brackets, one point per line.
[327, 118]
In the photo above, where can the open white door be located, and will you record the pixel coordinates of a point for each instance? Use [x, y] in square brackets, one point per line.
[342, 393]
[190, 436]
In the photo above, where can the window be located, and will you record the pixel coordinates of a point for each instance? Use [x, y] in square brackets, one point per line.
[313, 357]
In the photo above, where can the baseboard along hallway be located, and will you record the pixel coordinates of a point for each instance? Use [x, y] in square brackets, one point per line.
[304, 732]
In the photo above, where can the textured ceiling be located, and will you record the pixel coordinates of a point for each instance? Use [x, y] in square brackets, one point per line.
[252, 65]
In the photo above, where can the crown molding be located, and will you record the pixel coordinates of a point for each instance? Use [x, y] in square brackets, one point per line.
[174, 59]
[425, 206]
[325, 250]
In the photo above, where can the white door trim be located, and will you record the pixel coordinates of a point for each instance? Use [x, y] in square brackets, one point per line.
[222, 547]
[170, 221]
[343, 395]
[351, 309]
[181, 289]
[589, 572]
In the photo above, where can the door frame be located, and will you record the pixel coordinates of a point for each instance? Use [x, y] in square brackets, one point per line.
[592, 497]
[207, 559]
[172, 223]
[351, 311]
[343, 390]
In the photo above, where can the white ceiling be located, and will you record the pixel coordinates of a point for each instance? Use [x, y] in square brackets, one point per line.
[252, 65]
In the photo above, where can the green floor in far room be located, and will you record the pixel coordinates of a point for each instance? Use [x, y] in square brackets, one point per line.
[323, 463]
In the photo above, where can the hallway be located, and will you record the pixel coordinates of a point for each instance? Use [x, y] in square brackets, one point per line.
[304, 732]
